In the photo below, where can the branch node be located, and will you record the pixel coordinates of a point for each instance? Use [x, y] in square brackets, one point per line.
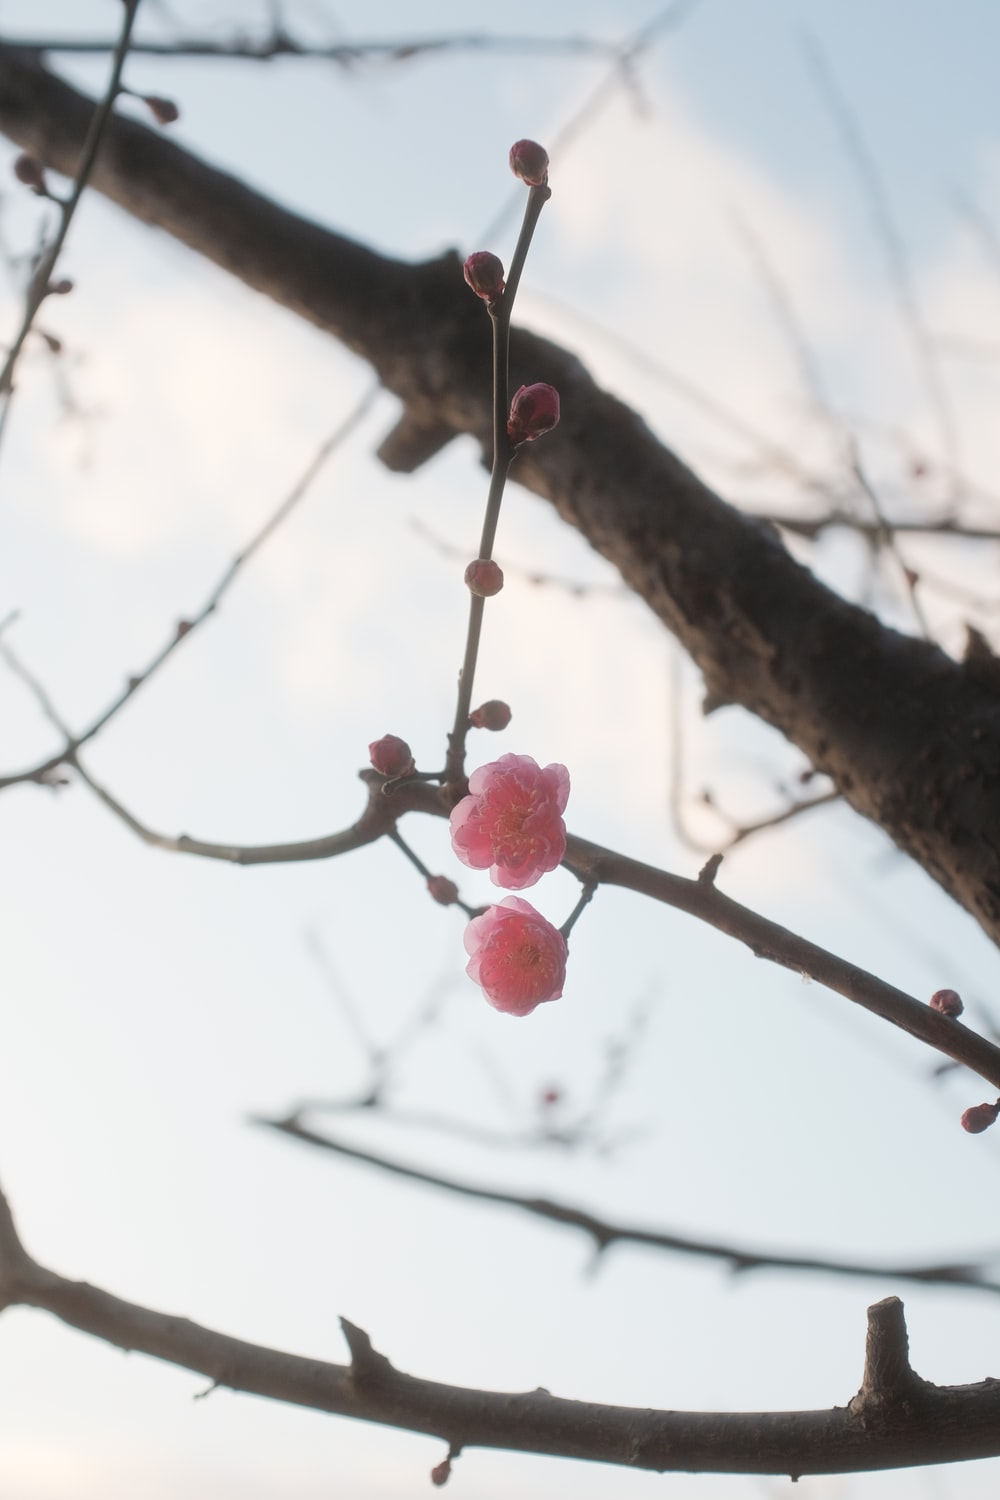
[889, 1380]
[367, 1365]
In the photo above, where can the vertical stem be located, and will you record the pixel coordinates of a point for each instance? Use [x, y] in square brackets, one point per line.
[503, 452]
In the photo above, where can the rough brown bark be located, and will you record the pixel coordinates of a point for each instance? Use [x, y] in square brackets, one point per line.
[910, 737]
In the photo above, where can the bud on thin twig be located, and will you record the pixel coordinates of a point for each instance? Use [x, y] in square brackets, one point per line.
[948, 1002]
[980, 1117]
[444, 891]
[494, 714]
[391, 756]
[164, 111]
[484, 273]
[530, 162]
[484, 577]
[28, 169]
[534, 410]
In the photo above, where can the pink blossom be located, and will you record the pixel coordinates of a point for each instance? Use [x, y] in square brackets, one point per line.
[511, 821]
[534, 410]
[517, 957]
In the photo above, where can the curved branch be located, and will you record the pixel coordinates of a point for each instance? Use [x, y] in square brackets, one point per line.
[895, 1421]
[909, 737]
[604, 1233]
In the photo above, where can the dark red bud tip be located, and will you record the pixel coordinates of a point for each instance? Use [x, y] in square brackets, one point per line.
[391, 756]
[484, 577]
[948, 1002]
[550, 1097]
[183, 626]
[60, 288]
[484, 273]
[530, 162]
[164, 111]
[534, 410]
[28, 169]
[443, 890]
[492, 715]
[980, 1117]
[440, 1472]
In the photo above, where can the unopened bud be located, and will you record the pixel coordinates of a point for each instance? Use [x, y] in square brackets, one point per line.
[484, 273]
[530, 162]
[551, 1096]
[948, 1002]
[534, 410]
[484, 577]
[494, 715]
[28, 169]
[183, 626]
[443, 890]
[60, 288]
[980, 1117]
[391, 756]
[440, 1472]
[164, 111]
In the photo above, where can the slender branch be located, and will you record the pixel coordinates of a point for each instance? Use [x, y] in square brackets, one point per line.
[503, 452]
[604, 1232]
[185, 629]
[812, 526]
[280, 44]
[39, 284]
[949, 1423]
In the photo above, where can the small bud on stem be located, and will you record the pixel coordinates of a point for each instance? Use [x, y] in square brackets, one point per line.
[493, 714]
[484, 273]
[530, 162]
[391, 756]
[534, 410]
[484, 577]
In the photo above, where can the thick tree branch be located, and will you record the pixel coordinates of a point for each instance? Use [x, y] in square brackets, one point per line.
[604, 1233]
[884, 1427]
[909, 737]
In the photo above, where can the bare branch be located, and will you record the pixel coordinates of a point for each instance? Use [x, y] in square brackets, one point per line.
[948, 1423]
[38, 287]
[42, 772]
[604, 1232]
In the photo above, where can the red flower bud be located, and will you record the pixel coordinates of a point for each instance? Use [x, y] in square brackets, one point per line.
[948, 1002]
[980, 1117]
[440, 1472]
[28, 169]
[443, 890]
[530, 162]
[492, 715]
[484, 577]
[484, 273]
[60, 288]
[164, 111]
[391, 756]
[534, 410]
[183, 626]
[551, 1096]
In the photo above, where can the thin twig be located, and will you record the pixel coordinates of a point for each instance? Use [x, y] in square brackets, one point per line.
[186, 628]
[38, 286]
[606, 1232]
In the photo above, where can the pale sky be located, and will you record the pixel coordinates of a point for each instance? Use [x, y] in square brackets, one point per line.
[152, 1003]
